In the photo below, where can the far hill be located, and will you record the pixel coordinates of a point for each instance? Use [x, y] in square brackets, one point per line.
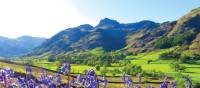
[109, 34]
[19, 46]
[112, 35]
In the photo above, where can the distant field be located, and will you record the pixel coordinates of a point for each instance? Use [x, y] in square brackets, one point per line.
[157, 64]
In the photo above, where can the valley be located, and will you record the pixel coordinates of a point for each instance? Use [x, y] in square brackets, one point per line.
[112, 54]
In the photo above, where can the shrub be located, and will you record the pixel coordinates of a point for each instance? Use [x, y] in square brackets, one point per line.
[52, 58]
[170, 55]
[177, 67]
[153, 73]
[104, 71]
[97, 67]
[149, 61]
[197, 85]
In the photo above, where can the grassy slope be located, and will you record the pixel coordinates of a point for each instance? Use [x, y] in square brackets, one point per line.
[163, 65]
[141, 59]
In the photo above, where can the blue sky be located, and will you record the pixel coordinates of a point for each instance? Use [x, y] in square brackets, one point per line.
[45, 18]
[135, 10]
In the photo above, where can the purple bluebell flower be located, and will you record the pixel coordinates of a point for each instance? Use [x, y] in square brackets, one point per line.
[139, 76]
[50, 81]
[189, 82]
[72, 83]
[66, 68]
[79, 81]
[95, 83]
[2, 82]
[164, 84]
[9, 72]
[29, 70]
[35, 82]
[91, 79]
[129, 82]
[58, 79]
[105, 81]
[173, 84]
[136, 86]
[151, 86]
[30, 84]
[44, 77]
[44, 73]
[2, 77]
[124, 76]
[8, 79]
[22, 82]
[2, 73]
[5, 77]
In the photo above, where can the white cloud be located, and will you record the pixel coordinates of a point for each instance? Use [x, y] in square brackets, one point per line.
[41, 18]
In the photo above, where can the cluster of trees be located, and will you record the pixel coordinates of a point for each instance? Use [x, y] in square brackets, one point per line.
[177, 67]
[90, 58]
[170, 55]
[128, 69]
[153, 73]
[177, 40]
[181, 55]
[104, 71]
[132, 69]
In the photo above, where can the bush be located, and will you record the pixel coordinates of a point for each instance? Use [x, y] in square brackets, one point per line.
[170, 55]
[131, 69]
[116, 70]
[149, 61]
[97, 67]
[177, 67]
[153, 73]
[182, 68]
[197, 85]
[52, 58]
[104, 71]
[180, 79]
[113, 73]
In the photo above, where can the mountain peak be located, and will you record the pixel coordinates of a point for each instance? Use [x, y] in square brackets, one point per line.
[108, 23]
[145, 24]
[85, 27]
[188, 22]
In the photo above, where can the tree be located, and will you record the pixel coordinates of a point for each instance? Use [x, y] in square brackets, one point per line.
[174, 66]
[177, 67]
[51, 58]
[149, 61]
[97, 67]
[113, 73]
[138, 69]
[104, 71]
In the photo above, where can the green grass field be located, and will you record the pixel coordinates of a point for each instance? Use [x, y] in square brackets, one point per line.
[156, 64]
